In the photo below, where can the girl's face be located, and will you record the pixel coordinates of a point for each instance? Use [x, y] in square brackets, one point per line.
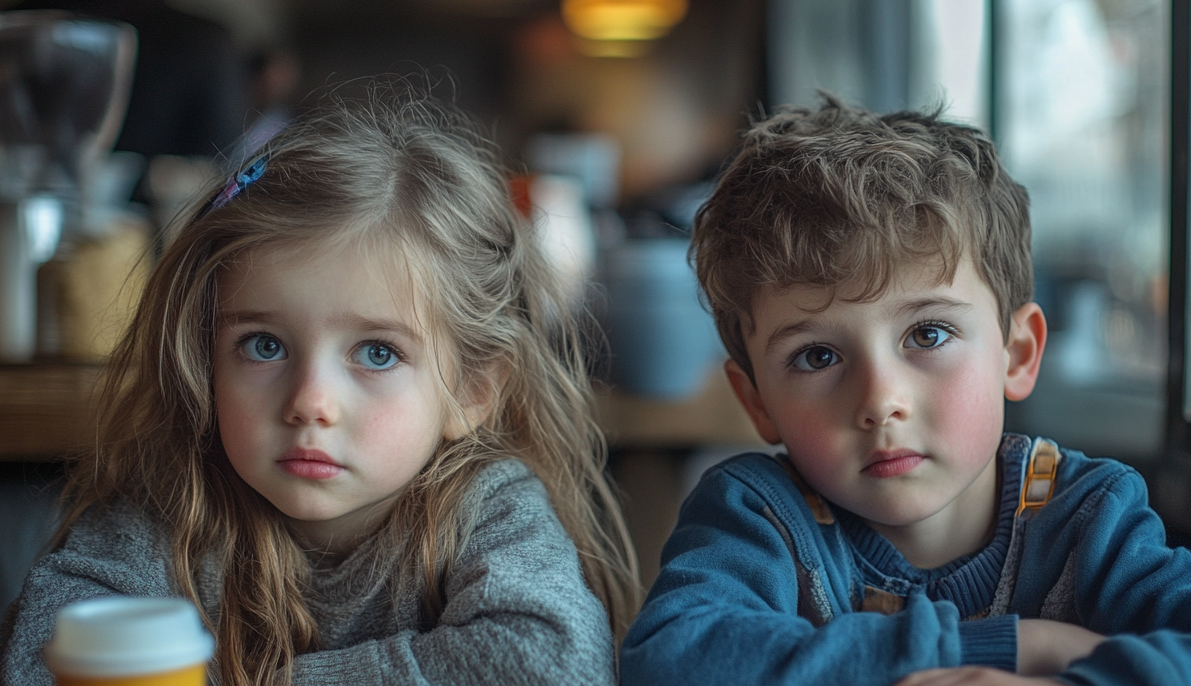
[326, 387]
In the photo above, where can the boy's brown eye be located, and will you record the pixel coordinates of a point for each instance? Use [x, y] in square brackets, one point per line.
[818, 358]
[928, 337]
[814, 358]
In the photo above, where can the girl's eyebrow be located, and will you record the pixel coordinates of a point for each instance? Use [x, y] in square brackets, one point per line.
[351, 321]
[361, 323]
[246, 316]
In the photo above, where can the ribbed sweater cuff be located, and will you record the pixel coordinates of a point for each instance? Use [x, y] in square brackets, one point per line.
[989, 642]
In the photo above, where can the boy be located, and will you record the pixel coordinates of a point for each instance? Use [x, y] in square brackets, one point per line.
[871, 279]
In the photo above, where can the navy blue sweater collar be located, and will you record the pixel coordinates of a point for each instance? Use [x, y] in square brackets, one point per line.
[969, 581]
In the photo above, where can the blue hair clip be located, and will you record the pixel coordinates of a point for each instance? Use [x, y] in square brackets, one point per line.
[236, 184]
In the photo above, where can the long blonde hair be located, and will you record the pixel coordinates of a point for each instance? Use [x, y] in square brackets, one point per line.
[402, 173]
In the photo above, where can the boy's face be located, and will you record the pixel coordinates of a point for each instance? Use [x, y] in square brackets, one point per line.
[891, 409]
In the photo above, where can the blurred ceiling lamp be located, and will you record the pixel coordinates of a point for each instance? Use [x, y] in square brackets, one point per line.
[622, 20]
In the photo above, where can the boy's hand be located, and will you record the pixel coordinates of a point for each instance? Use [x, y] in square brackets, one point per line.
[1046, 647]
[972, 676]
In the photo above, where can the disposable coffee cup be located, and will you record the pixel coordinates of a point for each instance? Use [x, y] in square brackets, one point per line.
[120, 641]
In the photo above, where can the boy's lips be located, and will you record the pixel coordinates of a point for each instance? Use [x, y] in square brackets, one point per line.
[310, 464]
[888, 463]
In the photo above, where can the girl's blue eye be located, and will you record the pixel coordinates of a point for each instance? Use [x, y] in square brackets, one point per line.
[377, 356]
[927, 337]
[263, 348]
[814, 358]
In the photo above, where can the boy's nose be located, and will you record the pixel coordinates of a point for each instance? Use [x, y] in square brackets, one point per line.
[883, 398]
[312, 399]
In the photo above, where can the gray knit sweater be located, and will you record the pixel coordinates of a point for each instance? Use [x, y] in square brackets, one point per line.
[517, 612]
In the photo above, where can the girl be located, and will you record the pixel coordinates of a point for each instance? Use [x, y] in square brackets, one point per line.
[351, 422]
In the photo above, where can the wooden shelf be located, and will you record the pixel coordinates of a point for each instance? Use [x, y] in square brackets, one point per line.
[48, 410]
[711, 417]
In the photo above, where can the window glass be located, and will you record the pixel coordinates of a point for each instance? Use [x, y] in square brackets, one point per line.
[1081, 105]
[1077, 98]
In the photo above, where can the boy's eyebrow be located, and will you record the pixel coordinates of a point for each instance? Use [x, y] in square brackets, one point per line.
[941, 301]
[789, 330]
[906, 308]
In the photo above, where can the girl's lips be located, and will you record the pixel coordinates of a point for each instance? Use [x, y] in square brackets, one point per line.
[886, 465]
[310, 464]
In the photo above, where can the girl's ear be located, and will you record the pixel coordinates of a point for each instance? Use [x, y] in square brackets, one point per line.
[746, 392]
[1027, 339]
[477, 400]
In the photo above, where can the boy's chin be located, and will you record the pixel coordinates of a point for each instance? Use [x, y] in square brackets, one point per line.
[896, 520]
[900, 513]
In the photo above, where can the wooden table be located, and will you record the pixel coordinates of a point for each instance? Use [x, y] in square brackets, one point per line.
[48, 409]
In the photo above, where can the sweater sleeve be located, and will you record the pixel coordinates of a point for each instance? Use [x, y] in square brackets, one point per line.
[518, 610]
[725, 610]
[1131, 587]
[110, 551]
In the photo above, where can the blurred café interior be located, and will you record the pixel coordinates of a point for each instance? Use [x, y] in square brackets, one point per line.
[616, 116]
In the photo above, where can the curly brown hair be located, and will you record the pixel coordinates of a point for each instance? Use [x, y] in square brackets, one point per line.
[839, 195]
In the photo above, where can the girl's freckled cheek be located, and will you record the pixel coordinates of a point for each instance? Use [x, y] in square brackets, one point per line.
[379, 421]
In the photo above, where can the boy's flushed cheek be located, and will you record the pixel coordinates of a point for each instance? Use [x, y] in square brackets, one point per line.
[960, 412]
[966, 412]
[817, 437]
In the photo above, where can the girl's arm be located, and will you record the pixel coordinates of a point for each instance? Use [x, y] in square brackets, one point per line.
[110, 551]
[518, 610]
[725, 607]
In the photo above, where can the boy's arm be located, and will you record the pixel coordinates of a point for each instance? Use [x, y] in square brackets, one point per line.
[1131, 587]
[1044, 648]
[973, 676]
[724, 609]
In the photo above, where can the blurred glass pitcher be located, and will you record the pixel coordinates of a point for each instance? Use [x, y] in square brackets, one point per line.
[64, 83]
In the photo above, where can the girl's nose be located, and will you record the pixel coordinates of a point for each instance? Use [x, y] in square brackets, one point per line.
[884, 397]
[313, 399]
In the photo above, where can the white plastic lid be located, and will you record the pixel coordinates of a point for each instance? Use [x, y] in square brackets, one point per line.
[119, 636]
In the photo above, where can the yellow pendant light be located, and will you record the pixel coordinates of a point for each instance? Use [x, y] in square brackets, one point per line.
[622, 20]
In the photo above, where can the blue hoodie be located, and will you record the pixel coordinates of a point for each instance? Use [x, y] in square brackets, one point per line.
[762, 582]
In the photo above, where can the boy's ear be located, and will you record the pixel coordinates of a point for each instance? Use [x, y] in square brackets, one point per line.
[1027, 339]
[477, 399]
[747, 393]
